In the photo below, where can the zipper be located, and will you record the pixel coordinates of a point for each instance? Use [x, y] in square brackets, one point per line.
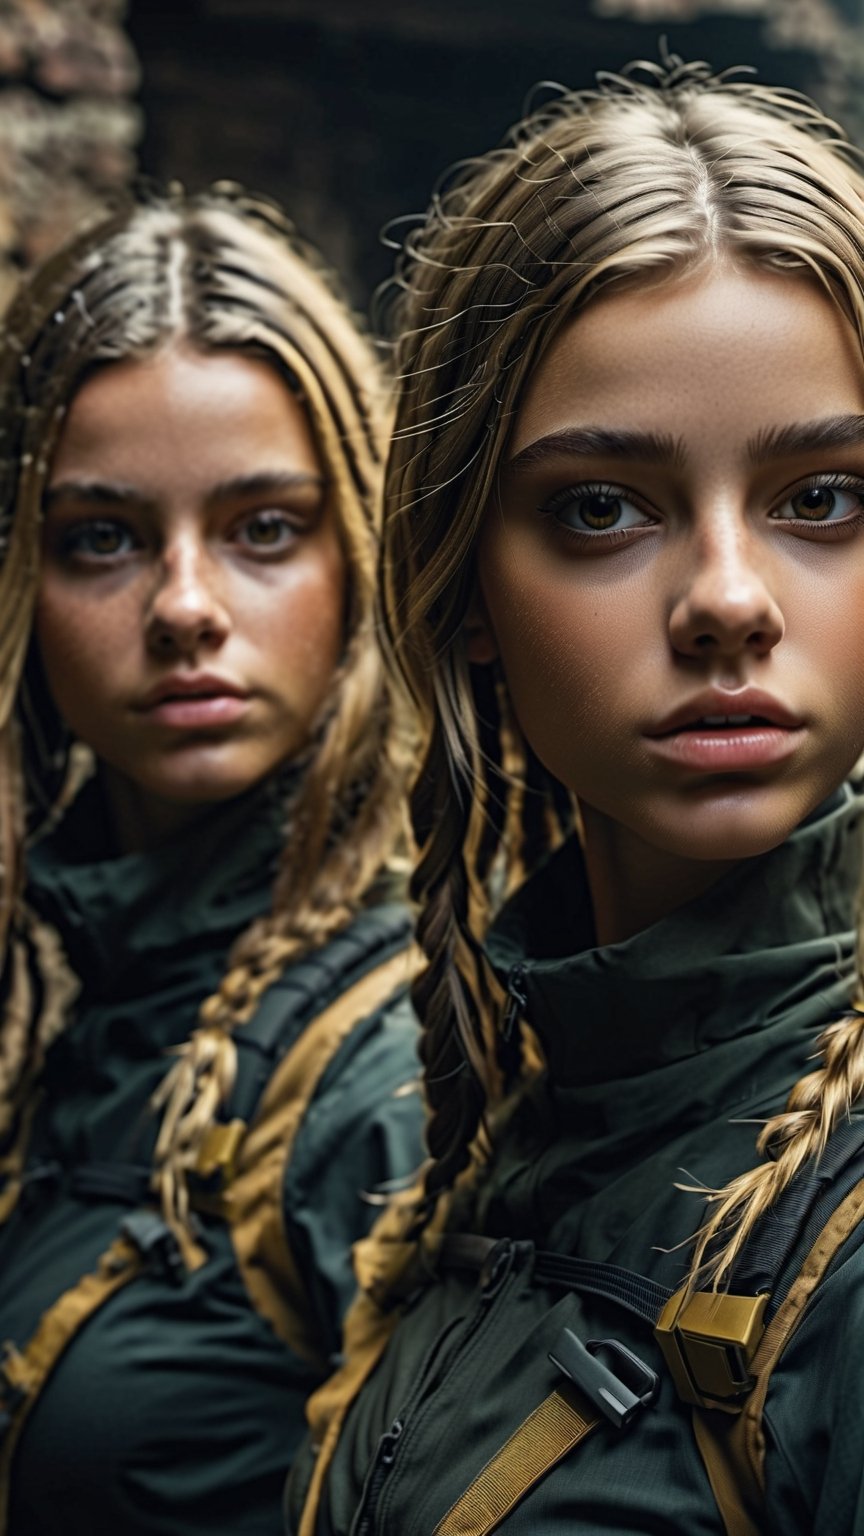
[385, 1455]
[497, 1269]
[517, 999]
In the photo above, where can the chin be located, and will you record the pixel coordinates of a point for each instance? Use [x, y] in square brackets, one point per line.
[725, 825]
[208, 783]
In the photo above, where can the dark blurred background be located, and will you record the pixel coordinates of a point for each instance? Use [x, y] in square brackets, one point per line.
[345, 110]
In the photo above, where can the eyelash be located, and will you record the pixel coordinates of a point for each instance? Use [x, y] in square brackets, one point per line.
[610, 537]
[73, 543]
[840, 526]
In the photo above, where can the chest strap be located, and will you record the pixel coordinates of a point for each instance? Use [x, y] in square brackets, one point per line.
[550, 1433]
[708, 1338]
[720, 1349]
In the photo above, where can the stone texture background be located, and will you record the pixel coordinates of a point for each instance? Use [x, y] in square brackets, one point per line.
[346, 110]
[68, 121]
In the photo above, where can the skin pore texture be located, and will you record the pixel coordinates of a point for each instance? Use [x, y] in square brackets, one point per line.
[663, 541]
[191, 609]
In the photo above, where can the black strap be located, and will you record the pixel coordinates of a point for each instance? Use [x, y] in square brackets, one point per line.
[304, 991]
[636, 1293]
[800, 1209]
[125, 1182]
[779, 1232]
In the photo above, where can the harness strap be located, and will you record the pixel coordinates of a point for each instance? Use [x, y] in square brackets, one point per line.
[561, 1422]
[733, 1448]
[23, 1372]
[636, 1293]
[252, 1202]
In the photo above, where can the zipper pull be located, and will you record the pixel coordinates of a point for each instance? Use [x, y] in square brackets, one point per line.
[518, 1000]
[387, 1444]
[384, 1458]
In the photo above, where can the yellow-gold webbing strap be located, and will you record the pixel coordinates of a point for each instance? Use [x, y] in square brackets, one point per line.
[555, 1428]
[13, 1161]
[733, 1448]
[26, 1370]
[252, 1203]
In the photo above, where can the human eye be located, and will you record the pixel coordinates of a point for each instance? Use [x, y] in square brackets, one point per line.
[596, 513]
[829, 503]
[266, 532]
[96, 540]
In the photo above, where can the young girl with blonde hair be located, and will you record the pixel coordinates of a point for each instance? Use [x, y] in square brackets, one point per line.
[207, 1053]
[624, 577]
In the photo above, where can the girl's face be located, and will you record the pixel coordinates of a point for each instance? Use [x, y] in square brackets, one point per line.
[673, 573]
[191, 609]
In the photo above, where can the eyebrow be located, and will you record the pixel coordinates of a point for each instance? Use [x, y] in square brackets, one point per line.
[843, 431]
[599, 442]
[807, 437]
[114, 494]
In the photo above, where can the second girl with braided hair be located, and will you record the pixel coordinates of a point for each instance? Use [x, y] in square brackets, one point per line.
[624, 583]
[208, 1057]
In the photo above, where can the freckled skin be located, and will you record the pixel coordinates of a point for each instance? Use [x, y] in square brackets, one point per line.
[250, 586]
[599, 643]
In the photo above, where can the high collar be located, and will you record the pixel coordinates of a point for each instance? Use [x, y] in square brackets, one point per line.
[772, 938]
[116, 914]
[667, 1050]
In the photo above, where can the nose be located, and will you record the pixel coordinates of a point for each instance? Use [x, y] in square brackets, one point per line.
[186, 612]
[726, 606]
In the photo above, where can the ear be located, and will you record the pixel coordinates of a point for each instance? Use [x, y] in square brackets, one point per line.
[481, 646]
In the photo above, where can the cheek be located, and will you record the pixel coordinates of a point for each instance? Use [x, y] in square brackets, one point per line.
[564, 655]
[77, 640]
[304, 629]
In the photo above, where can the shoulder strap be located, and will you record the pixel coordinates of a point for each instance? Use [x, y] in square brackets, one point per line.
[733, 1448]
[252, 1201]
[720, 1347]
[248, 1204]
[305, 990]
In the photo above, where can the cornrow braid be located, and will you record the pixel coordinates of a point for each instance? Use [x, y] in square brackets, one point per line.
[659, 171]
[223, 270]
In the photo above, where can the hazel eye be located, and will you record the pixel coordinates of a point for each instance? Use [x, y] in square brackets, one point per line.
[98, 539]
[824, 501]
[595, 509]
[267, 531]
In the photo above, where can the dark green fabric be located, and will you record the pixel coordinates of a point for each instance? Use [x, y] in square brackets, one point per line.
[664, 1051]
[177, 1409]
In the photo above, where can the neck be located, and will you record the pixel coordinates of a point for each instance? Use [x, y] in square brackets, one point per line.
[138, 820]
[633, 885]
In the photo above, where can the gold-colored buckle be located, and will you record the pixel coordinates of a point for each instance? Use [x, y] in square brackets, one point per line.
[218, 1152]
[708, 1341]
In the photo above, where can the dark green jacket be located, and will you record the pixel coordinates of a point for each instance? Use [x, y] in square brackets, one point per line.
[664, 1052]
[177, 1409]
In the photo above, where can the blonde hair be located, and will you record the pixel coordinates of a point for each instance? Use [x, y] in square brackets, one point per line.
[224, 271]
[656, 171]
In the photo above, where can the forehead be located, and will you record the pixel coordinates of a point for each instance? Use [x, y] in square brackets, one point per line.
[725, 354]
[183, 411]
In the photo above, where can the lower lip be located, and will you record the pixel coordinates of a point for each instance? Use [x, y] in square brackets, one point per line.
[729, 751]
[198, 712]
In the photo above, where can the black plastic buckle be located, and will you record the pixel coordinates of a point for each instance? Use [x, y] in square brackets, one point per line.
[156, 1244]
[619, 1394]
